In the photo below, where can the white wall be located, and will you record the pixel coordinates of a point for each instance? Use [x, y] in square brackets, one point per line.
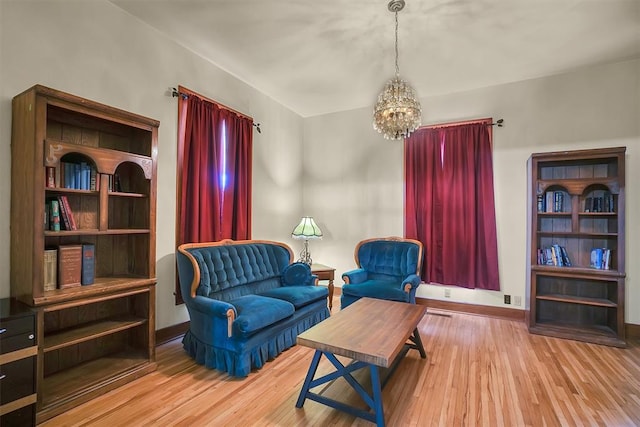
[353, 178]
[97, 51]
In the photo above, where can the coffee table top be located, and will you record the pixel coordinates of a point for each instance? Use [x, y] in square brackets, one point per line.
[369, 330]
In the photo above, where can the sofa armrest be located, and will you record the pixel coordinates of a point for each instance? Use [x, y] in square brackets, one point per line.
[298, 274]
[216, 309]
[411, 282]
[358, 275]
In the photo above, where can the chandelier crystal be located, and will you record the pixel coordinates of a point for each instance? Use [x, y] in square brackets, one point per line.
[397, 112]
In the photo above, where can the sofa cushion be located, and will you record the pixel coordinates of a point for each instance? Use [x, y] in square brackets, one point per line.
[376, 289]
[299, 296]
[256, 312]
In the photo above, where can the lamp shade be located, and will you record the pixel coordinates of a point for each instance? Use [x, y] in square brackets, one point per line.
[306, 229]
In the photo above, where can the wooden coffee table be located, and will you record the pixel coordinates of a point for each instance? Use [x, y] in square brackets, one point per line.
[372, 333]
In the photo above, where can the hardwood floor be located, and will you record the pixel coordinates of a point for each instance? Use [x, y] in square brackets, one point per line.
[480, 371]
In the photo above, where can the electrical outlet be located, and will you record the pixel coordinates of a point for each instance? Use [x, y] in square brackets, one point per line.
[507, 299]
[517, 301]
[447, 293]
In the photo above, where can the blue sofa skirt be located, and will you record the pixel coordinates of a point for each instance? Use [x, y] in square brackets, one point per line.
[253, 352]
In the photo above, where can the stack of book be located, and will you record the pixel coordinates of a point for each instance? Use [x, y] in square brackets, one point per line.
[551, 201]
[604, 203]
[69, 266]
[555, 255]
[601, 258]
[58, 215]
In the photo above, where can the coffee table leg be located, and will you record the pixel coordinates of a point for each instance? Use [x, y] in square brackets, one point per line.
[307, 381]
[418, 342]
[377, 395]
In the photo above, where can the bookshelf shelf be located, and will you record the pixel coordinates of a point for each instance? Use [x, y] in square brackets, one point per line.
[95, 337]
[89, 331]
[578, 271]
[95, 232]
[575, 234]
[601, 302]
[568, 295]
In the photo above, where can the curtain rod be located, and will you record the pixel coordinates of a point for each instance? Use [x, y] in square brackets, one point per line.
[186, 93]
[499, 123]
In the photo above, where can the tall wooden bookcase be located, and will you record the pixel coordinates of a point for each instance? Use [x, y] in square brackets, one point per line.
[577, 202]
[91, 338]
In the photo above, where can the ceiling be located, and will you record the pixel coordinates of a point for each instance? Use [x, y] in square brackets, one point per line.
[323, 56]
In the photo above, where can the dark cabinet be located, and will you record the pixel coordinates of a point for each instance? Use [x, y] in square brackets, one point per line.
[18, 352]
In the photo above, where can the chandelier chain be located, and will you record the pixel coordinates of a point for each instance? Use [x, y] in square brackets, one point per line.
[396, 46]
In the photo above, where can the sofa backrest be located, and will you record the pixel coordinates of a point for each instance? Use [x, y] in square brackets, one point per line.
[390, 258]
[230, 269]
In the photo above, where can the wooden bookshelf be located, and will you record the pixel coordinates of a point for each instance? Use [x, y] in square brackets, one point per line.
[578, 301]
[96, 337]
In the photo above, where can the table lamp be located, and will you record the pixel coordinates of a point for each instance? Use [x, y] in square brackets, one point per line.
[307, 229]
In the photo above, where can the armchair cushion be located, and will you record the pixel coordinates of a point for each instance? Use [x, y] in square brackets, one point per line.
[256, 312]
[378, 289]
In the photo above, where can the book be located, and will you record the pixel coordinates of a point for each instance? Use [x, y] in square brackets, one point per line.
[558, 254]
[540, 202]
[606, 259]
[93, 179]
[596, 258]
[548, 201]
[50, 269]
[558, 201]
[69, 266]
[588, 204]
[64, 202]
[565, 257]
[47, 213]
[83, 175]
[51, 177]
[63, 214]
[54, 215]
[88, 264]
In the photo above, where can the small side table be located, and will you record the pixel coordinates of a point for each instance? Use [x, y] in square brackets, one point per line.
[324, 272]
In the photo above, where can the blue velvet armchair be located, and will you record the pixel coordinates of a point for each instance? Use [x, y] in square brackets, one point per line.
[388, 268]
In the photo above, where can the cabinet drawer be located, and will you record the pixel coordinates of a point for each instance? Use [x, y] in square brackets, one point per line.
[16, 379]
[17, 333]
[23, 417]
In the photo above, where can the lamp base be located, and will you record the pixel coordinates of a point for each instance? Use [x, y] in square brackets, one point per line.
[305, 255]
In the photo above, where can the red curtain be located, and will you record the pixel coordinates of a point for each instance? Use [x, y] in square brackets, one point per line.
[215, 160]
[450, 204]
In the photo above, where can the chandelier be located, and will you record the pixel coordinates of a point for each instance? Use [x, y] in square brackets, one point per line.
[397, 112]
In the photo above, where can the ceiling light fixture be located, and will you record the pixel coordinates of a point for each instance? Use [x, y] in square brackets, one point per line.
[397, 112]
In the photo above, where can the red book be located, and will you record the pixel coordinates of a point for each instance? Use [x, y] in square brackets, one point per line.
[69, 266]
[69, 212]
[63, 214]
[51, 177]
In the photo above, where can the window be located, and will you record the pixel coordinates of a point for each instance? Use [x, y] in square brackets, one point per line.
[449, 203]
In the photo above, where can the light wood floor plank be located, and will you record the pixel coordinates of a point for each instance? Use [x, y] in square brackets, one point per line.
[480, 371]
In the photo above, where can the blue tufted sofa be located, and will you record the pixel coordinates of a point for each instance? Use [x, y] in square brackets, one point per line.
[247, 302]
[388, 268]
